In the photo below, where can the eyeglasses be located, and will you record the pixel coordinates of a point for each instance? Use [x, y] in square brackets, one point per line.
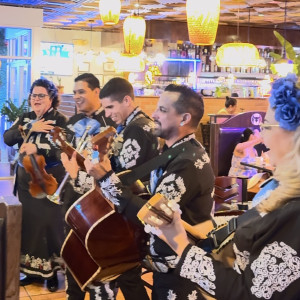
[39, 96]
[268, 126]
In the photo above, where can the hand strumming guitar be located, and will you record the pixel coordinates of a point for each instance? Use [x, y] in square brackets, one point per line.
[98, 170]
[70, 165]
[174, 234]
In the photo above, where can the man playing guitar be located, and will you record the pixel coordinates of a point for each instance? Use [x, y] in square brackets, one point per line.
[186, 179]
[134, 145]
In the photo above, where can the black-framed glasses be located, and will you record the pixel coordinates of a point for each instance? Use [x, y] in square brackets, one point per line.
[39, 96]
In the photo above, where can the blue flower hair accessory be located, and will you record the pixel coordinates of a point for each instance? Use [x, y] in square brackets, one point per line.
[285, 100]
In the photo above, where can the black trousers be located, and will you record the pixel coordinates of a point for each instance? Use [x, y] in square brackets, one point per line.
[171, 286]
[129, 282]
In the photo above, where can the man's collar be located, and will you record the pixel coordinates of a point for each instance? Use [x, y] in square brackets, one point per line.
[186, 138]
[132, 115]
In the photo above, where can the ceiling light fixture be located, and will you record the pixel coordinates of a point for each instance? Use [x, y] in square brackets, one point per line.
[284, 66]
[110, 11]
[203, 19]
[134, 30]
[238, 54]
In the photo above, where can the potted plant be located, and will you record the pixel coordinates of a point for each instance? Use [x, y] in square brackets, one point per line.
[60, 87]
[290, 54]
[11, 112]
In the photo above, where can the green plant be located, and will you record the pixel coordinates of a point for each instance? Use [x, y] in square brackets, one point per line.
[290, 53]
[11, 111]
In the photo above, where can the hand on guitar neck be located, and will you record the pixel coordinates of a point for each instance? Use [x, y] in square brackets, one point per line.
[159, 212]
[71, 158]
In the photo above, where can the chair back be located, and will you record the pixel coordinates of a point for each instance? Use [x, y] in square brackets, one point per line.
[226, 189]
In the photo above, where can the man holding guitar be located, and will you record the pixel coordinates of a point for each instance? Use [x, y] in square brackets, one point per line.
[134, 145]
[90, 113]
[185, 177]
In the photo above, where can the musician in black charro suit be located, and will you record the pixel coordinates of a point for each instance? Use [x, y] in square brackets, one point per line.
[42, 220]
[186, 179]
[135, 145]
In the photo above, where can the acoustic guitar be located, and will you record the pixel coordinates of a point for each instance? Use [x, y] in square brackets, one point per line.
[102, 244]
[201, 231]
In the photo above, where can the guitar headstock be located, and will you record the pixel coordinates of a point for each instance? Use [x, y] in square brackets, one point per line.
[58, 136]
[157, 206]
[101, 141]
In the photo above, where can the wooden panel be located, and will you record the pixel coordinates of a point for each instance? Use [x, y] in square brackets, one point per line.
[67, 105]
[211, 105]
[11, 211]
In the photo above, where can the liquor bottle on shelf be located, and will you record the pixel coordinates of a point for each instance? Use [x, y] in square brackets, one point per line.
[183, 51]
[197, 52]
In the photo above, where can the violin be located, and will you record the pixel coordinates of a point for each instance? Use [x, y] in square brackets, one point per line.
[42, 183]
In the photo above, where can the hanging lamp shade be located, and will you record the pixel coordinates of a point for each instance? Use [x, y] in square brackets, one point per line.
[110, 11]
[203, 20]
[237, 55]
[134, 30]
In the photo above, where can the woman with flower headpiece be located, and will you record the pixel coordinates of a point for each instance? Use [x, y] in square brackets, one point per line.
[267, 241]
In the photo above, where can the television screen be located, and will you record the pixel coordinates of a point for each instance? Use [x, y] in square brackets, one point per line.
[56, 59]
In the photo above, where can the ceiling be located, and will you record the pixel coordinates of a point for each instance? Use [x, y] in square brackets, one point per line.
[84, 14]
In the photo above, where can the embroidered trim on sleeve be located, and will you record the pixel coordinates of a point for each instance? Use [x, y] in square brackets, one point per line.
[242, 259]
[275, 269]
[199, 268]
[110, 189]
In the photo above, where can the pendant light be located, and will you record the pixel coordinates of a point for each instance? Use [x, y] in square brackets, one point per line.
[238, 54]
[134, 30]
[110, 11]
[284, 66]
[203, 19]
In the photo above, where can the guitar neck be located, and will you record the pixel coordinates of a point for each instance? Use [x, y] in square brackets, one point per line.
[199, 231]
[69, 150]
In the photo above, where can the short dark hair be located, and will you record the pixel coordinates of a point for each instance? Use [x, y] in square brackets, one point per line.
[51, 90]
[246, 135]
[188, 102]
[230, 101]
[90, 79]
[117, 88]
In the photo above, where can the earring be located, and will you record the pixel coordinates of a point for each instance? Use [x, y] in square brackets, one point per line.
[181, 123]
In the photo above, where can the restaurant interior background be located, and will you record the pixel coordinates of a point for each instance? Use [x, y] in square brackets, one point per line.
[68, 38]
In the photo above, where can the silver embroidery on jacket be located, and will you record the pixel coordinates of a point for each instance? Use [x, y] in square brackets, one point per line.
[171, 187]
[200, 162]
[242, 259]
[110, 190]
[199, 268]
[275, 269]
[129, 153]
